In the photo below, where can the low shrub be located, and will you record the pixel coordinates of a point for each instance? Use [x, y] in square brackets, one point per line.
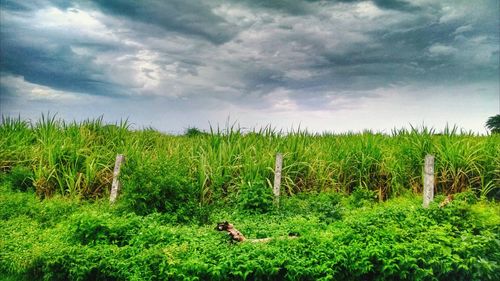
[256, 196]
[20, 178]
[159, 186]
[362, 196]
[326, 206]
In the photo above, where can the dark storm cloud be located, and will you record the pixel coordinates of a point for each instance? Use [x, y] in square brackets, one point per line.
[47, 58]
[186, 17]
[57, 67]
[286, 6]
[295, 7]
[27, 6]
[421, 48]
[244, 52]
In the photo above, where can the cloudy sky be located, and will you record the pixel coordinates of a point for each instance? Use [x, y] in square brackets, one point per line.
[324, 65]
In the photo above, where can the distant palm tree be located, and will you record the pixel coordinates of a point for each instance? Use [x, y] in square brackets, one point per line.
[193, 132]
[493, 124]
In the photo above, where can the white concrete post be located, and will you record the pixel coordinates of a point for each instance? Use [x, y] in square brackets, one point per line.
[277, 175]
[115, 187]
[428, 180]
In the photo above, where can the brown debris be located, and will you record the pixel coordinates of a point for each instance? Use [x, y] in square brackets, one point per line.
[239, 237]
[233, 232]
[446, 201]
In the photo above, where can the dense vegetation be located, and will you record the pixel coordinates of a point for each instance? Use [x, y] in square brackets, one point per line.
[353, 198]
[341, 238]
[77, 160]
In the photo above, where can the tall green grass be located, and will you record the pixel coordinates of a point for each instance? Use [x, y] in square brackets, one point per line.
[76, 159]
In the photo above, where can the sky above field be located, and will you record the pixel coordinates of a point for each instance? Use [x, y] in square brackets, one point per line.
[338, 66]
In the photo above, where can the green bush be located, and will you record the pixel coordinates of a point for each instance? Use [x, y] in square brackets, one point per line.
[159, 186]
[362, 196]
[468, 197]
[14, 204]
[194, 132]
[93, 228]
[328, 206]
[20, 178]
[256, 196]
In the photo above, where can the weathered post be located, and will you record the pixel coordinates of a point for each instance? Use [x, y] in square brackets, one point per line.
[277, 175]
[115, 187]
[428, 180]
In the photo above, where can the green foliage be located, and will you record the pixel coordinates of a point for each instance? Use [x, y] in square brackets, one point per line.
[468, 197]
[20, 177]
[175, 188]
[256, 196]
[362, 196]
[194, 132]
[394, 240]
[159, 186]
[16, 204]
[325, 206]
[493, 124]
[76, 159]
[328, 207]
[93, 228]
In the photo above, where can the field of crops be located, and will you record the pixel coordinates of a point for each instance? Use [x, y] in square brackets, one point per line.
[353, 199]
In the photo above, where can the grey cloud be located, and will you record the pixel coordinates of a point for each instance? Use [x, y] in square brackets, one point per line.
[293, 7]
[396, 53]
[305, 7]
[28, 6]
[17, 6]
[49, 60]
[186, 17]
[396, 5]
[200, 56]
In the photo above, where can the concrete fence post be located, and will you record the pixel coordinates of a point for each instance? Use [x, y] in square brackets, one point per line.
[115, 187]
[428, 180]
[277, 175]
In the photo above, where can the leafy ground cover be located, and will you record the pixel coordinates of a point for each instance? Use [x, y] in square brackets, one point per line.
[341, 238]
